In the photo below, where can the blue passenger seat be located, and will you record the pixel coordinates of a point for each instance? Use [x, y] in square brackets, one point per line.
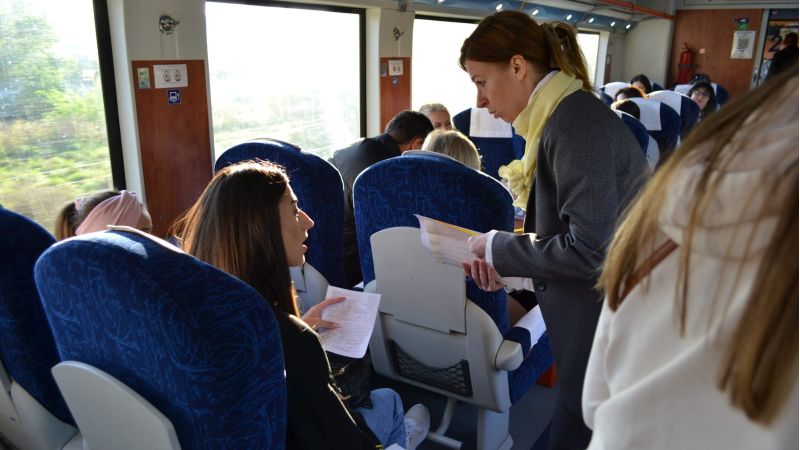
[33, 414]
[686, 108]
[648, 144]
[663, 124]
[434, 330]
[497, 143]
[608, 92]
[320, 193]
[199, 345]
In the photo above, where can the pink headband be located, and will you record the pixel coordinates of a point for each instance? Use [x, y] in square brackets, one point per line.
[122, 209]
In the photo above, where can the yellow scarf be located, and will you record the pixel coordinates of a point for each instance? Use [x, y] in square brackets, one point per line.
[529, 124]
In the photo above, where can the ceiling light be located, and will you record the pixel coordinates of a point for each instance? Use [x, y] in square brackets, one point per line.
[498, 7]
[628, 26]
[569, 16]
[440, 1]
[613, 23]
[535, 12]
[591, 19]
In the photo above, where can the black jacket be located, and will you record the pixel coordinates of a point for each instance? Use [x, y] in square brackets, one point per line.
[317, 418]
[782, 60]
[351, 161]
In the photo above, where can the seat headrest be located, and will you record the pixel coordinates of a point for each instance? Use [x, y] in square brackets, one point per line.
[28, 350]
[611, 89]
[262, 149]
[200, 345]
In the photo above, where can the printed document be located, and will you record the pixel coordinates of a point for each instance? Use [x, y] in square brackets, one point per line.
[449, 244]
[356, 318]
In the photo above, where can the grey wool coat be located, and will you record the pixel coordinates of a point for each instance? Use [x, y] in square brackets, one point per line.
[589, 166]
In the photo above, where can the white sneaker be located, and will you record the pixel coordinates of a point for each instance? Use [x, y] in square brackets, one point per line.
[418, 422]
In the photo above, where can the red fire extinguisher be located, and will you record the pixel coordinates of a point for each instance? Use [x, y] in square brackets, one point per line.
[685, 65]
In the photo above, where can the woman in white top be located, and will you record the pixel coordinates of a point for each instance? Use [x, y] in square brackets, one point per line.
[696, 347]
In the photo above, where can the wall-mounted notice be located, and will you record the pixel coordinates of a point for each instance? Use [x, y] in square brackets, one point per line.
[395, 67]
[743, 43]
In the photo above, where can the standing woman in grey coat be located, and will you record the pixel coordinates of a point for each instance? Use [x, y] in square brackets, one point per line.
[580, 169]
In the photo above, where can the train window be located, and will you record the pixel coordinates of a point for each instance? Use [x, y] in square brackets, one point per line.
[292, 74]
[589, 44]
[435, 75]
[53, 143]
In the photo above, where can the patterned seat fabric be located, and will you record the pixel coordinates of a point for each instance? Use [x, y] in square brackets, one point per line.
[320, 192]
[27, 348]
[498, 146]
[608, 92]
[201, 346]
[636, 127]
[681, 104]
[663, 124]
[387, 195]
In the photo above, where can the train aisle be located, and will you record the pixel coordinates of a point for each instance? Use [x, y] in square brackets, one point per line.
[529, 417]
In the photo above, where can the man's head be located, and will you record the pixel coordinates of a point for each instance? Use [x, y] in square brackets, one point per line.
[409, 129]
[790, 40]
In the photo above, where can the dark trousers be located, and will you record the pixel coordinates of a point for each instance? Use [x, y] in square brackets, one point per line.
[567, 431]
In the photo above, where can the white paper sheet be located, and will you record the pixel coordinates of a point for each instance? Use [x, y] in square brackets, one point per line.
[356, 319]
[449, 244]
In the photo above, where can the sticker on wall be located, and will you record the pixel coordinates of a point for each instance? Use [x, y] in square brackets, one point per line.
[384, 70]
[395, 67]
[743, 43]
[143, 76]
[173, 96]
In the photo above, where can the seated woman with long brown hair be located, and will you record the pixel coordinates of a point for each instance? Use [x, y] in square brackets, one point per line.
[247, 223]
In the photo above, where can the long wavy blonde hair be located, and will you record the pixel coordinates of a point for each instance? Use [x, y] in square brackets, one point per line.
[760, 362]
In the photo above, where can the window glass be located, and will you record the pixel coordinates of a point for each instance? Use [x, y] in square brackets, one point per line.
[589, 44]
[53, 142]
[284, 73]
[436, 76]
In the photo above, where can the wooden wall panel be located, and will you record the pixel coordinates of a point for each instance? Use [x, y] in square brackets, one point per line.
[712, 29]
[175, 143]
[395, 94]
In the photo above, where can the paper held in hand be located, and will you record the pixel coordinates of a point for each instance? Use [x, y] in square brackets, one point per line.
[449, 244]
[356, 319]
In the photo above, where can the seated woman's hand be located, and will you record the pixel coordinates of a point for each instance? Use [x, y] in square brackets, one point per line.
[313, 317]
[484, 274]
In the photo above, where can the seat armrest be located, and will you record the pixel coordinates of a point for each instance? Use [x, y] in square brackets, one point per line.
[527, 330]
[509, 356]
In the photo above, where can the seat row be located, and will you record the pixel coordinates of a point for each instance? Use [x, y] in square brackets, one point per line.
[137, 329]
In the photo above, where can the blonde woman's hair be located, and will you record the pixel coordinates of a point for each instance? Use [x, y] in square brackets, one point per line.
[432, 108]
[760, 362]
[455, 145]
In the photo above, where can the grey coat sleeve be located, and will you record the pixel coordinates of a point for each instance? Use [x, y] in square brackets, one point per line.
[579, 177]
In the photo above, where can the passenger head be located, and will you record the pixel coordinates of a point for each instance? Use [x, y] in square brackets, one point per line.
[627, 106]
[702, 93]
[97, 211]
[698, 77]
[629, 92]
[789, 40]
[438, 115]
[455, 145]
[508, 53]
[247, 223]
[642, 82]
[409, 129]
